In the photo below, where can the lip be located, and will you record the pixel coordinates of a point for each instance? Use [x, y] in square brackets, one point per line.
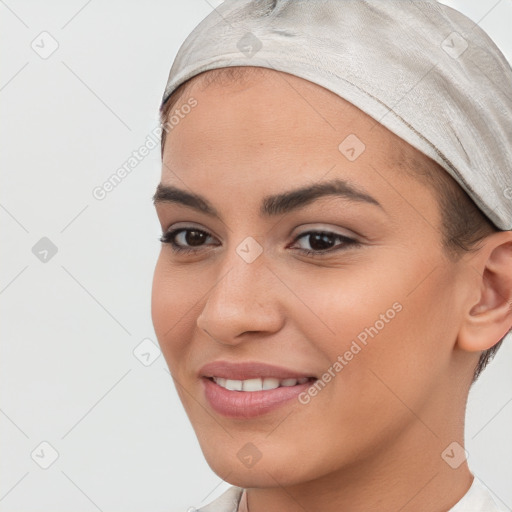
[249, 370]
[246, 405]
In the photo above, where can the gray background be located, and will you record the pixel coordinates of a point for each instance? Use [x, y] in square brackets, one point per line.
[70, 324]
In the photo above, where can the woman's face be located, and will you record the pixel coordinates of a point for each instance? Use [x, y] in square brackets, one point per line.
[371, 312]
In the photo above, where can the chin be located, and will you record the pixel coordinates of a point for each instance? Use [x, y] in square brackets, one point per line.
[235, 466]
[262, 475]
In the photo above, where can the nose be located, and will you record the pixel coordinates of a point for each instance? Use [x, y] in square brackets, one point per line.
[243, 300]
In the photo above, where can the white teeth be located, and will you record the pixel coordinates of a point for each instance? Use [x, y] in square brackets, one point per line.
[257, 384]
[220, 381]
[252, 385]
[270, 383]
[234, 385]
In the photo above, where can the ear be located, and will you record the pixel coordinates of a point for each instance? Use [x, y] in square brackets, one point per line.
[489, 310]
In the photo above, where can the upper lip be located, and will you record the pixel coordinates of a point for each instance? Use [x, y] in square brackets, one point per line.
[248, 370]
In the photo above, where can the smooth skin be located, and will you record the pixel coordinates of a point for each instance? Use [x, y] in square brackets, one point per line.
[373, 438]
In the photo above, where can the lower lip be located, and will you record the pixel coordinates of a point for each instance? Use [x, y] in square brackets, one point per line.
[249, 404]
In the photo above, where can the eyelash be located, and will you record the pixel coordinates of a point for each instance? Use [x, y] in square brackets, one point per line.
[168, 238]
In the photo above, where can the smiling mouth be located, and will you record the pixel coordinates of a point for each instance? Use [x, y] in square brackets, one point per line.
[259, 384]
[250, 395]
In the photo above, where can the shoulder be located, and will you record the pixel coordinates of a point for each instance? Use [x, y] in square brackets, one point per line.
[478, 499]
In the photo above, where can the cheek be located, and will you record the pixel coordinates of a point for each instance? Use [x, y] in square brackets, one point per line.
[171, 303]
[395, 320]
[408, 326]
[394, 342]
[346, 305]
[161, 300]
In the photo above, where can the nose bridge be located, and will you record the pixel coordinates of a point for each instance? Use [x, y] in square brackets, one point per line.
[239, 300]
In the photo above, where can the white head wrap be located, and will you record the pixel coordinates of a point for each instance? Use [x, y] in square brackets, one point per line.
[422, 69]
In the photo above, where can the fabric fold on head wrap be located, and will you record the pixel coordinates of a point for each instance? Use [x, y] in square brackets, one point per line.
[420, 68]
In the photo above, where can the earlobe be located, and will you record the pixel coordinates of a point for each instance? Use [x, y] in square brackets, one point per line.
[489, 318]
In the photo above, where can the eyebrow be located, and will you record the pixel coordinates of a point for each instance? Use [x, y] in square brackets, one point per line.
[272, 205]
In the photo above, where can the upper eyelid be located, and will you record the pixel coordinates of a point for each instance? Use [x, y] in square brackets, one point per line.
[175, 231]
[306, 230]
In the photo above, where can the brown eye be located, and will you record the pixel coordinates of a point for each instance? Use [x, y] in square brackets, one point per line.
[321, 242]
[191, 237]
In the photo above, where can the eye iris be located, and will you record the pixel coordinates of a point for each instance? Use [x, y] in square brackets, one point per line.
[194, 237]
[320, 241]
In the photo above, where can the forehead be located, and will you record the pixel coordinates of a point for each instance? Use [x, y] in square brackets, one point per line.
[256, 118]
[274, 132]
[267, 104]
